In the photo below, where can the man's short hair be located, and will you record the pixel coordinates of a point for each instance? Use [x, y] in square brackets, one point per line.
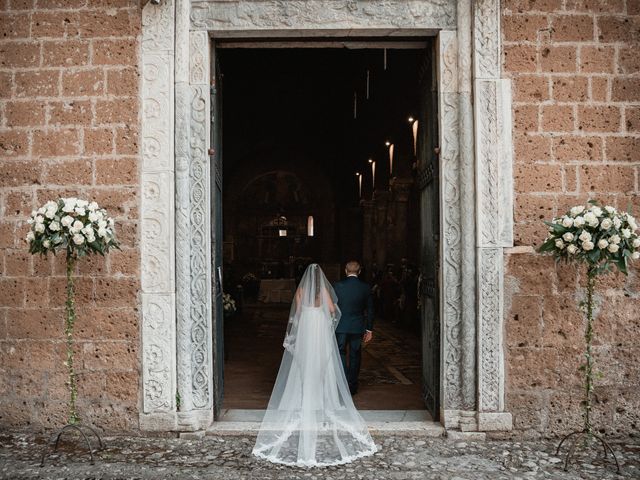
[353, 266]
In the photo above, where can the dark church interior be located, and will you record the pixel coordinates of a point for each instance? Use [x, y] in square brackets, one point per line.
[306, 133]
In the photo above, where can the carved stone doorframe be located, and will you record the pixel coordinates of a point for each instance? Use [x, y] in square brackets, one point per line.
[476, 188]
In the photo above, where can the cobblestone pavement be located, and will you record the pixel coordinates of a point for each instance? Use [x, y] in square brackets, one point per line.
[226, 458]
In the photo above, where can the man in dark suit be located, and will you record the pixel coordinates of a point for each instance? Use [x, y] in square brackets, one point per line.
[356, 324]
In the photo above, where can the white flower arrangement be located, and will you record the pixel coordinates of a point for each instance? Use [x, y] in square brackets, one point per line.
[599, 236]
[228, 304]
[71, 224]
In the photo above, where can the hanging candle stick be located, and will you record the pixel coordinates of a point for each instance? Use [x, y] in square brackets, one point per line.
[355, 104]
[373, 174]
[414, 128]
[385, 58]
[391, 160]
[367, 84]
[359, 175]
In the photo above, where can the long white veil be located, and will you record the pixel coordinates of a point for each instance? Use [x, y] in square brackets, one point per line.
[311, 419]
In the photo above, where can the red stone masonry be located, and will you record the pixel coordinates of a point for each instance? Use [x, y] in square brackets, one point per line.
[69, 125]
[575, 67]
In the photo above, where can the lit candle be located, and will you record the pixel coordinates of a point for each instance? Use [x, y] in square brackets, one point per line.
[373, 173]
[391, 160]
[414, 128]
[359, 175]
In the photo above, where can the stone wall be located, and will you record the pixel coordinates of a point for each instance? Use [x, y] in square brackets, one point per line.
[69, 125]
[576, 94]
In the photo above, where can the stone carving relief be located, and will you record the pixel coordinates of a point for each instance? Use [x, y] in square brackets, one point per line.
[222, 15]
[486, 30]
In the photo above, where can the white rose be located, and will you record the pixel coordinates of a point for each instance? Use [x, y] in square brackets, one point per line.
[632, 223]
[33, 213]
[39, 227]
[91, 238]
[575, 211]
[568, 237]
[602, 243]
[30, 221]
[54, 226]
[606, 224]
[80, 211]
[626, 233]
[77, 226]
[585, 236]
[559, 244]
[635, 255]
[41, 210]
[94, 216]
[46, 244]
[30, 236]
[66, 221]
[572, 249]
[567, 222]
[609, 209]
[111, 222]
[591, 219]
[586, 246]
[39, 219]
[102, 224]
[615, 239]
[92, 206]
[102, 232]
[613, 248]
[69, 205]
[617, 222]
[82, 203]
[636, 242]
[51, 212]
[597, 211]
[579, 222]
[78, 239]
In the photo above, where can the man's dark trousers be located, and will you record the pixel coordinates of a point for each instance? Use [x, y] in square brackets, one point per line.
[356, 305]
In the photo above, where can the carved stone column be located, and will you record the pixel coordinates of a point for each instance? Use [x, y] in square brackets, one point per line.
[494, 184]
[157, 225]
[401, 189]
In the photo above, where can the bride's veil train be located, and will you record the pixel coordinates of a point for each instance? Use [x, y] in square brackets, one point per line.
[311, 419]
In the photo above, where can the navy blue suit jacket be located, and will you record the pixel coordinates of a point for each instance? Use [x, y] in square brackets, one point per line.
[356, 305]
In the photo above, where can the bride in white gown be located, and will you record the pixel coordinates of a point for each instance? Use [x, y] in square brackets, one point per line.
[311, 420]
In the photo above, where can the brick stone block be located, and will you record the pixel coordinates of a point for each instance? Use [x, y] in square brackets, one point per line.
[65, 53]
[116, 292]
[558, 118]
[124, 82]
[538, 178]
[632, 119]
[572, 28]
[517, 28]
[597, 59]
[38, 83]
[625, 90]
[18, 203]
[115, 52]
[530, 369]
[7, 234]
[599, 89]
[127, 233]
[36, 323]
[91, 385]
[524, 321]
[569, 148]
[532, 148]
[6, 84]
[531, 88]
[46, 24]
[68, 171]
[98, 141]
[20, 54]
[563, 321]
[17, 263]
[122, 387]
[525, 118]
[112, 356]
[93, 266]
[121, 171]
[528, 410]
[628, 60]
[14, 25]
[83, 82]
[519, 6]
[534, 273]
[520, 58]
[70, 112]
[117, 111]
[13, 144]
[127, 140]
[607, 179]
[19, 356]
[558, 59]
[58, 291]
[53, 143]
[570, 89]
[25, 114]
[614, 28]
[107, 323]
[599, 119]
[117, 201]
[124, 262]
[596, 6]
[626, 149]
[106, 23]
[36, 292]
